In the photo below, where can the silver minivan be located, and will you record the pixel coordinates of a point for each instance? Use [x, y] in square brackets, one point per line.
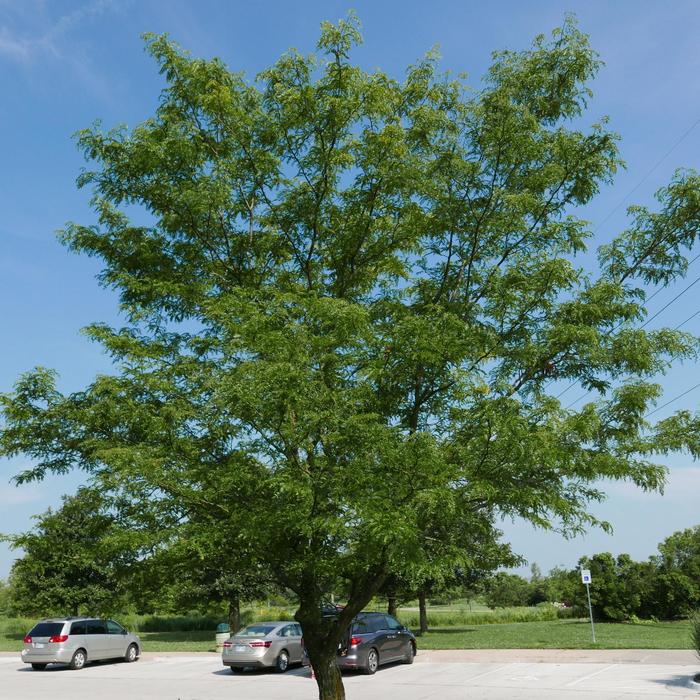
[76, 641]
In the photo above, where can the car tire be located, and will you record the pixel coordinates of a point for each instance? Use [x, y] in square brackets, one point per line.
[411, 654]
[39, 667]
[282, 661]
[132, 653]
[235, 669]
[372, 663]
[79, 660]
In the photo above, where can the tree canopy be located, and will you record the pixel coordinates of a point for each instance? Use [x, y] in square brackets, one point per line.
[346, 296]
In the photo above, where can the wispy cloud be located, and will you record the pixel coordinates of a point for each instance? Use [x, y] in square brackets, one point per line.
[42, 36]
[19, 495]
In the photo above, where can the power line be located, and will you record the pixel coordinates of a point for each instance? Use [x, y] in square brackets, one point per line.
[663, 308]
[680, 325]
[675, 398]
[641, 182]
[649, 320]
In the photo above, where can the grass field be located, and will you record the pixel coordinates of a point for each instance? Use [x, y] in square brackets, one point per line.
[553, 634]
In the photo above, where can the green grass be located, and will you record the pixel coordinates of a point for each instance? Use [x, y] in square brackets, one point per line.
[548, 634]
[560, 634]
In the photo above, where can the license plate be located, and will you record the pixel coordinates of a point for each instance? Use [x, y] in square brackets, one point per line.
[38, 646]
[240, 647]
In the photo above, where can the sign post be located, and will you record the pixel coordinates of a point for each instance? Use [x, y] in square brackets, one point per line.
[586, 578]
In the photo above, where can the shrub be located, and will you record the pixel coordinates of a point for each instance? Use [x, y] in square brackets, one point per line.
[438, 618]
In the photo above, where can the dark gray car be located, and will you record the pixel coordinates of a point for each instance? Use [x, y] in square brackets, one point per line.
[76, 641]
[374, 639]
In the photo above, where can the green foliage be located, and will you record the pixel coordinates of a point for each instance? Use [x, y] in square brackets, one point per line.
[506, 590]
[677, 583]
[619, 586]
[72, 561]
[344, 311]
[500, 615]
[4, 598]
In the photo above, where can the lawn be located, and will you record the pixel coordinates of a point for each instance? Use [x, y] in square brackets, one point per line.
[555, 634]
[561, 634]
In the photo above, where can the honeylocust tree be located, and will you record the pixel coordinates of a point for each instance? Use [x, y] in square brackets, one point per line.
[347, 296]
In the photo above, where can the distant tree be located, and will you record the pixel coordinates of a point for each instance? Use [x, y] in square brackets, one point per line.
[74, 561]
[619, 586]
[504, 590]
[677, 580]
[201, 567]
[562, 586]
[4, 598]
[538, 587]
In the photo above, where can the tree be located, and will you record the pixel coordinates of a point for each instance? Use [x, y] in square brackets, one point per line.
[619, 586]
[73, 561]
[677, 581]
[562, 586]
[538, 586]
[346, 297]
[504, 590]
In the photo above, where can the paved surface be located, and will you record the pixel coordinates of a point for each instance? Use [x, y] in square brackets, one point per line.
[501, 677]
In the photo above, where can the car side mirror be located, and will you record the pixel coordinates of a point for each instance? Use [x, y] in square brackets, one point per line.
[124, 632]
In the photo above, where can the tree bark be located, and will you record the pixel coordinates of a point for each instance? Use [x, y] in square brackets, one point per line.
[423, 612]
[392, 608]
[234, 614]
[328, 679]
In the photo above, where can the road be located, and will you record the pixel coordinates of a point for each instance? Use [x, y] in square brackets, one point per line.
[497, 676]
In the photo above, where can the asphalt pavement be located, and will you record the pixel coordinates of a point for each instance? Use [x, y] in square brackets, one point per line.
[496, 675]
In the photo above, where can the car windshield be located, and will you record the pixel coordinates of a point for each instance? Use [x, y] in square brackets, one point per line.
[255, 631]
[46, 629]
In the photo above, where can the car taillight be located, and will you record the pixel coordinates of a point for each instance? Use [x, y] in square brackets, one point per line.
[261, 644]
[228, 643]
[58, 638]
[27, 640]
[354, 641]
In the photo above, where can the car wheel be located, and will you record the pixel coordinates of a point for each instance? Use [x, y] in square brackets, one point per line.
[78, 660]
[39, 667]
[235, 669]
[372, 663]
[132, 653]
[282, 663]
[410, 654]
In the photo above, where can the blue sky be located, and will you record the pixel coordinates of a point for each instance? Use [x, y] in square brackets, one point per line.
[65, 64]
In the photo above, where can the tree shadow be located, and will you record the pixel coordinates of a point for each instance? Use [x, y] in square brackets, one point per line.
[678, 681]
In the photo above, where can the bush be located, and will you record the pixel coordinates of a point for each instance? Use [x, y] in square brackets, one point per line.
[13, 626]
[465, 618]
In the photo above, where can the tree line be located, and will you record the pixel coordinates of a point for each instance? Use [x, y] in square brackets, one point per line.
[80, 558]
[665, 586]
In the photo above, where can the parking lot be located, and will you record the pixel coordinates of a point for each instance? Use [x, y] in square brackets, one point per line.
[437, 676]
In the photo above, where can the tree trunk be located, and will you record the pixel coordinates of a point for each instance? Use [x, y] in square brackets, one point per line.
[392, 607]
[328, 679]
[234, 614]
[423, 612]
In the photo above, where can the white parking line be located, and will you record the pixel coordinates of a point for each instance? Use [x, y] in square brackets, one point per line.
[486, 673]
[590, 675]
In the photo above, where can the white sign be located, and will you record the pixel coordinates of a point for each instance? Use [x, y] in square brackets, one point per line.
[585, 576]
